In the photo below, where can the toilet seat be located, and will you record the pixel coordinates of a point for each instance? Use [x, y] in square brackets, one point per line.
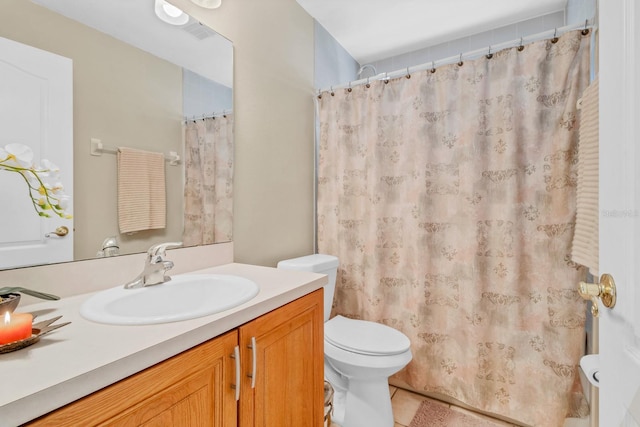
[364, 337]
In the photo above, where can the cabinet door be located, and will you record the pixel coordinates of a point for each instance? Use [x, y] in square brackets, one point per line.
[193, 388]
[287, 348]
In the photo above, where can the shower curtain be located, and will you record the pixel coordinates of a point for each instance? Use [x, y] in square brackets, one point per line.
[449, 197]
[208, 189]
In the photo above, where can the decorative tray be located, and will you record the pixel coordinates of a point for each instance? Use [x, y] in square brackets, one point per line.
[37, 330]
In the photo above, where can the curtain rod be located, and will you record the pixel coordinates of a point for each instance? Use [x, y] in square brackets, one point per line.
[489, 50]
[223, 113]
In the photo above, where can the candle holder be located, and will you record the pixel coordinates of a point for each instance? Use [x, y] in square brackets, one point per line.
[9, 302]
[37, 330]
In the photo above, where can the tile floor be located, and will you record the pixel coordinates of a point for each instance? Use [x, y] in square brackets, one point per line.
[405, 404]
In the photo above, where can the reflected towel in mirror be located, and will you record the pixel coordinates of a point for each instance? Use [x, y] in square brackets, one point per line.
[141, 190]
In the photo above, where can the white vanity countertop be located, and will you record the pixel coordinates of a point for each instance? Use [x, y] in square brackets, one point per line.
[83, 357]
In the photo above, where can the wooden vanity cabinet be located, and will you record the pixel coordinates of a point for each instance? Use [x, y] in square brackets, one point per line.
[197, 387]
[189, 389]
[287, 346]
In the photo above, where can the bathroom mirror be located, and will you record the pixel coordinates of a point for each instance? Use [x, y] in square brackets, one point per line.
[136, 78]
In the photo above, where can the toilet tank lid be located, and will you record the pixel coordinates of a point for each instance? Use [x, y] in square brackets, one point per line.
[315, 263]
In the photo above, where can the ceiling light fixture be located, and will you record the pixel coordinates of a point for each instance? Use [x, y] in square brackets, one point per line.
[170, 14]
[208, 4]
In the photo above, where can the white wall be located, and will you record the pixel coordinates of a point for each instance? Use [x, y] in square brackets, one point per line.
[333, 64]
[471, 43]
[273, 52]
[203, 96]
[577, 11]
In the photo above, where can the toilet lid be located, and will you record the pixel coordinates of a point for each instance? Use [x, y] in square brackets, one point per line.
[364, 337]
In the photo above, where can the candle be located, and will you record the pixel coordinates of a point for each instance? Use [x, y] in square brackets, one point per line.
[15, 327]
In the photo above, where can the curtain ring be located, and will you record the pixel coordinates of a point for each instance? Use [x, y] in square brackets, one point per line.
[460, 63]
[319, 94]
[349, 88]
[586, 30]
[408, 75]
[433, 67]
[332, 92]
[489, 55]
[368, 85]
[555, 36]
[386, 78]
[521, 47]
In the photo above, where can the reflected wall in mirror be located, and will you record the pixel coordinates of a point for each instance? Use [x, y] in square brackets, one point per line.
[135, 81]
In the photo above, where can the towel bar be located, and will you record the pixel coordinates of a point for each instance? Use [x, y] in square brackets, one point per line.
[97, 148]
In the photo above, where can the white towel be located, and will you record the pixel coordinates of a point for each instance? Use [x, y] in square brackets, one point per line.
[141, 190]
[585, 239]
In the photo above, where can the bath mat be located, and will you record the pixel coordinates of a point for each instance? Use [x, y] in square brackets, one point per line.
[432, 413]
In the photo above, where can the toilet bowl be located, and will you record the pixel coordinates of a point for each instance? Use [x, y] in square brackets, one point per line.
[359, 356]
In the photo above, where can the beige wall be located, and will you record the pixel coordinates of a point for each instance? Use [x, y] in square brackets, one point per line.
[273, 107]
[111, 89]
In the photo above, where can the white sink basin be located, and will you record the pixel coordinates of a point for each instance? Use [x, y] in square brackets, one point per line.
[184, 297]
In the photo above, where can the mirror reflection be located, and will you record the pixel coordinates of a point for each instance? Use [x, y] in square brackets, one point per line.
[138, 82]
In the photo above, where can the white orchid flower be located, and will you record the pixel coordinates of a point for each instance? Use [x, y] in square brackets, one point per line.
[45, 189]
[17, 155]
[57, 188]
[63, 201]
[49, 168]
[32, 179]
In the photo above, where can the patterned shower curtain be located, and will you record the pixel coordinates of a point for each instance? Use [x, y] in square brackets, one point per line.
[208, 189]
[449, 198]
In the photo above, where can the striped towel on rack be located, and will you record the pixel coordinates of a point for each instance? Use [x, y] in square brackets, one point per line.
[585, 239]
[141, 190]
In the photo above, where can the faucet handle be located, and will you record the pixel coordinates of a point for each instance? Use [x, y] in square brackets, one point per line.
[160, 249]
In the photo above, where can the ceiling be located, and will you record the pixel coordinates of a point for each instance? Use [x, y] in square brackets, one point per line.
[371, 30]
[133, 21]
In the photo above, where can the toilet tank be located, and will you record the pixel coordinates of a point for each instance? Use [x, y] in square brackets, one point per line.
[318, 263]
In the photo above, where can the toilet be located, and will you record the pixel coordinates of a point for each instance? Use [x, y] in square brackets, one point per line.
[359, 356]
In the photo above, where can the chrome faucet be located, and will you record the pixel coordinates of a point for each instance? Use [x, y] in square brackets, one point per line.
[155, 267]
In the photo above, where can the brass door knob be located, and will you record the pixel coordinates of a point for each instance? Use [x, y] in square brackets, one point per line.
[60, 232]
[605, 290]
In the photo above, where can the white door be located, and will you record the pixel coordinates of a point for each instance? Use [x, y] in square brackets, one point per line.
[620, 210]
[36, 109]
